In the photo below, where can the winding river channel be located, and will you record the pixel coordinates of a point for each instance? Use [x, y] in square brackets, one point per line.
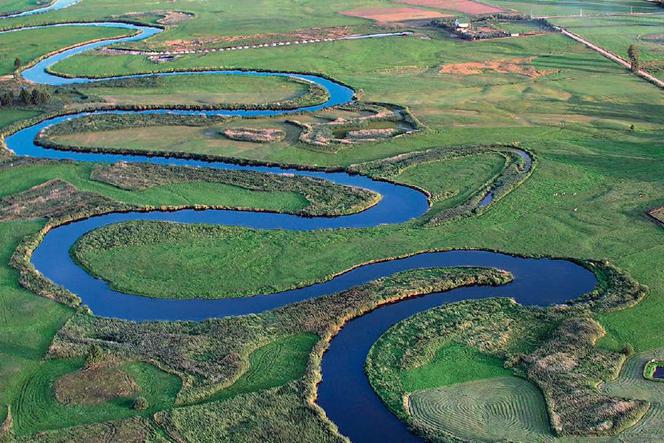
[344, 393]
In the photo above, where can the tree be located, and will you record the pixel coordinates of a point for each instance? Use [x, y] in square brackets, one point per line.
[140, 404]
[634, 57]
[17, 63]
[25, 97]
[7, 98]
[94, 356]
[39, 97]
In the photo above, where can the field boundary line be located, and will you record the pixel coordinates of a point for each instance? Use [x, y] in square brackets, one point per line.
[613, 57]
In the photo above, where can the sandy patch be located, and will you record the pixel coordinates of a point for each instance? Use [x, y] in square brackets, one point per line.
[466, 6]
[512, 66]
[174, 17]
[392, 14]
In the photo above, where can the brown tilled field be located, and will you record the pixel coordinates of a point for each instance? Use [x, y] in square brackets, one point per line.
[392, 14]
[466, 6]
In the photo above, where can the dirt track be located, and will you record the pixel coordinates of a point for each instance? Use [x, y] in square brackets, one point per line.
[611, 56]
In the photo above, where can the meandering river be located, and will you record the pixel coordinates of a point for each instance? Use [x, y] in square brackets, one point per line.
[344, 393]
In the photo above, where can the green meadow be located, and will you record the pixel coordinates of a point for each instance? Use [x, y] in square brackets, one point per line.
[596, 131]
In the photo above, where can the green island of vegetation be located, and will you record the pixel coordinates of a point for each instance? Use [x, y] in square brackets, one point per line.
[466, 100]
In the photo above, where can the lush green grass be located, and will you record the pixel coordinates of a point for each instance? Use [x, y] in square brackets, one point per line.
[586, 199]
[20, 179]
[33, 43]
[574, 7]
[21, 5]
[37, 408]
[198, 90]
[576, 121]
[452, 182]
[275, 364]
[484, 410]
[212, 19]
[452, 364]
[9, 116]
[27, 322]
[632, 384]
[617, 33]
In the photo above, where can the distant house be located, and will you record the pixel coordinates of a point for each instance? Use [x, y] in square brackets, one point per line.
[461, 24]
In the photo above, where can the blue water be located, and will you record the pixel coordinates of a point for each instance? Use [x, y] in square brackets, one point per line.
[56, 5]
[344, 393]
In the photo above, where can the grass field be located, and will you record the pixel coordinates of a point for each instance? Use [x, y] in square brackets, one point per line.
[617, 33]
[31, 44]
[565, 119]
[483, 410]
[37, 408]
[198, 90]
[453, 364]
[631, 383]
[574, 7]
[21, 5]
[273, 365]
[596, 175]
[20, 179]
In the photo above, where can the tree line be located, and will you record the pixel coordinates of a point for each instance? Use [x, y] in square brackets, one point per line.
[25, 96]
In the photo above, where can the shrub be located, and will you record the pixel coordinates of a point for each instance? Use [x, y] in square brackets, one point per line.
[140, 404]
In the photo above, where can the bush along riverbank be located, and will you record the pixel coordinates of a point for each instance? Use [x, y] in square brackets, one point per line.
[554, 348]
[212, 355]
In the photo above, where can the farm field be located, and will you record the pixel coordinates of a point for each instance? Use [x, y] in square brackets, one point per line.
[429, 238]
[483, 410]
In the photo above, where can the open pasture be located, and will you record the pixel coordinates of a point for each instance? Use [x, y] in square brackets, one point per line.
[386, 15]
[198, 90]
[595, 131]
[483, 410]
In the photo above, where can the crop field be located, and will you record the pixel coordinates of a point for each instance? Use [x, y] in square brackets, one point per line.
[532, 145]
[483, 410]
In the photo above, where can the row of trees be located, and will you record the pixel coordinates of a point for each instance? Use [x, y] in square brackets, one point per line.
[26, 96]
[634, 57]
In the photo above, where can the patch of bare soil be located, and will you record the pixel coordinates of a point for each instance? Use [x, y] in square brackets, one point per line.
[174, 17]
[255, 135]
[469, 7]
[384, 15]
[657, 214]
[95, 385]
[53, 199]
[512, 66]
